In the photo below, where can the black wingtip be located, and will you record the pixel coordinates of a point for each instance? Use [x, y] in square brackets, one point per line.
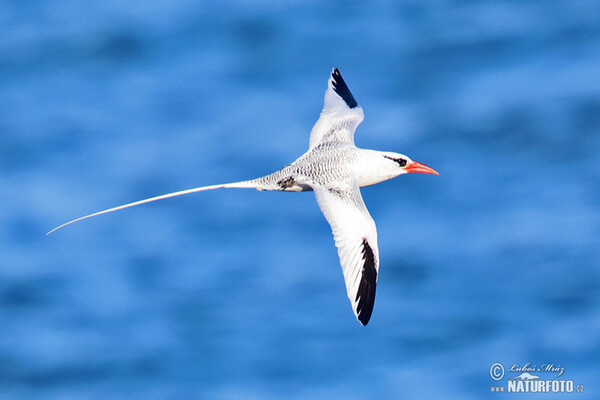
[368, 285]
[340, 87]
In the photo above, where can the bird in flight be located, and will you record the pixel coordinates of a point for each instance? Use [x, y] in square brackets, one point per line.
[335, 169]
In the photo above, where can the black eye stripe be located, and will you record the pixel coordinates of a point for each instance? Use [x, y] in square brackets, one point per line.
[401, 161]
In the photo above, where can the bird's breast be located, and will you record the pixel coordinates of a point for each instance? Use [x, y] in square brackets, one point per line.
[368, 180]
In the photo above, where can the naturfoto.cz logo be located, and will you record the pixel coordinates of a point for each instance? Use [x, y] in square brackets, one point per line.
[529, 379]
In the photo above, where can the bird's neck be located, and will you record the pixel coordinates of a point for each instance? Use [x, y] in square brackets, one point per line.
[373, 168]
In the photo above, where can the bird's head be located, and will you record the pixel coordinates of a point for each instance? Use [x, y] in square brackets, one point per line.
[401, 164]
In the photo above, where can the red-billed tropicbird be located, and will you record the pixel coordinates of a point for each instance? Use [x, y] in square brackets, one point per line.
[334, 168]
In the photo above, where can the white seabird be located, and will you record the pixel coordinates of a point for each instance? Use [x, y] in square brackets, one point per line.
[335, 169]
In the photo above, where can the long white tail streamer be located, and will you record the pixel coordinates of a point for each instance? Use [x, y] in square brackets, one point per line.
[244, 184]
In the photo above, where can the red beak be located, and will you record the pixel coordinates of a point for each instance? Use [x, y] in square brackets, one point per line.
[418, 167]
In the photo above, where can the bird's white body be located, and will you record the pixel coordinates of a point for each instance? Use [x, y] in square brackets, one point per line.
[334, 168]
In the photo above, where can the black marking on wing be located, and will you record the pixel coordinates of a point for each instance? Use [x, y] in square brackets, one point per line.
[286, 183]
[368, 284]
[341, 88]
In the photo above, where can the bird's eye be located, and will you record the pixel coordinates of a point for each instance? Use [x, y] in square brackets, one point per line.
[400, 161]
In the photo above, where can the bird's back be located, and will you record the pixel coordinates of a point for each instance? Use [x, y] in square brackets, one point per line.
[328, 164]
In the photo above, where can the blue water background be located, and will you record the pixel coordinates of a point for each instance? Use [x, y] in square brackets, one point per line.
[238, 294]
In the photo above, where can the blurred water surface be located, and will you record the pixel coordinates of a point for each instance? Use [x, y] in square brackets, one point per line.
[238, 294]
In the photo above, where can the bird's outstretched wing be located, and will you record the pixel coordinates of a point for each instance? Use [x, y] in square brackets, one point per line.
[355, 237]
[340, 116]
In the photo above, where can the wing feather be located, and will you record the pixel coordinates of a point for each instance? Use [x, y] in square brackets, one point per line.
[340, 116]
[355, 237]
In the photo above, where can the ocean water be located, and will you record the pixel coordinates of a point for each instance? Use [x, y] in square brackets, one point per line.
[238, 294]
